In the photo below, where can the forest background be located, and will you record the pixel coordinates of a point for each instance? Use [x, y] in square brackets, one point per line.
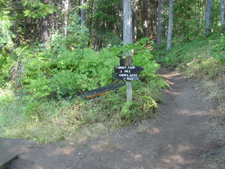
[53, 49]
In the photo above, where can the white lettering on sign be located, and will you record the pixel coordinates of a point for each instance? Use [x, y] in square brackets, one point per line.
[130, 78]
[127, 75]
[126, 71]
[131, 67]
[122, 75]
[121, 67]
[131, 75]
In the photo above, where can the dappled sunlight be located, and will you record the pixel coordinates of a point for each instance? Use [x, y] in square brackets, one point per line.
[65, 151]
[153, 130]
[102, 145]
[182, 148]
[172, 92]
[173, 75]
[5, 93]
[192, 113]
[176, 160]
[170, 83]
[136, 157]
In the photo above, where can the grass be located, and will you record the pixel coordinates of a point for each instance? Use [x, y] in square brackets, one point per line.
[48, 121]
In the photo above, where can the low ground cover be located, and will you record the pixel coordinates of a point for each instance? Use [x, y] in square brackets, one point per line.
[53, 120]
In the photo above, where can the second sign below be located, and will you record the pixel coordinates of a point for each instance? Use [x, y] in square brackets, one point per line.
[126, 76]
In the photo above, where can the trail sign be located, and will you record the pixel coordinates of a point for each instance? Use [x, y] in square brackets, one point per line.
[127, 72]
[128, 69]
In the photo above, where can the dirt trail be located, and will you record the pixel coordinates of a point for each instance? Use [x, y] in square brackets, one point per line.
[176, 139]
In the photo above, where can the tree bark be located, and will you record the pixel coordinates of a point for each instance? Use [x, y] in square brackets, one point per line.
[160, 25]
[170, 25]
[120, 20]
[127, 22]
[65, 4]
[144, 15]
[135, 20]
[127, 38]
[16, 32]
[222, 14]
[82, 13]
[208, 17]
[43, 37]
[15, 29]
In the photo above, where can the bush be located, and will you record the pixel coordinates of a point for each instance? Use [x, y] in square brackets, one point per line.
[50, 120]
[218, 49]
[59, 71]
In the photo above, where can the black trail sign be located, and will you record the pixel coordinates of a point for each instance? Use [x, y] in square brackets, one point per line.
[128, 69]
[127, 72]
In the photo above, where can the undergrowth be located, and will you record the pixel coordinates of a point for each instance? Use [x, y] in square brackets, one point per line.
[36, 78]
[53, 120]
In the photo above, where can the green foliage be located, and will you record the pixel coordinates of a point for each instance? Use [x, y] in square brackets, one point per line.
[69, 71]
[59, 71]
[5, 33]
[141, 56]
[50, 120]
[189, 21]
[182, 52]
[218, 49]
[6, 44]
[36, 9]
[78, 35]
[104, 22]
[202, 57]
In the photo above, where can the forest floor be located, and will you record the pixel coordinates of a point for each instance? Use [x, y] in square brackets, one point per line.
[186, 134]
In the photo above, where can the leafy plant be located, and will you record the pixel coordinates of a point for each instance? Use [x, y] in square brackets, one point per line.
[218, 49]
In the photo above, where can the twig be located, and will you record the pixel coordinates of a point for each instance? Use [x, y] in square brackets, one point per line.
[82, 156]
[213, 153]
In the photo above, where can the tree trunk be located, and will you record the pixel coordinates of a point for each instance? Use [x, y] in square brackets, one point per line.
[160, 24]
[170, 25]
[153, 18]
[82, 13]
[208, 17]
[91, 19]
[16, 32]
[120, 20]
[43, 37]
[65, 4]
[127, 38]
[127, 22]
[15, 28]
[144, 15]
[135, 20]
[222, 14]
